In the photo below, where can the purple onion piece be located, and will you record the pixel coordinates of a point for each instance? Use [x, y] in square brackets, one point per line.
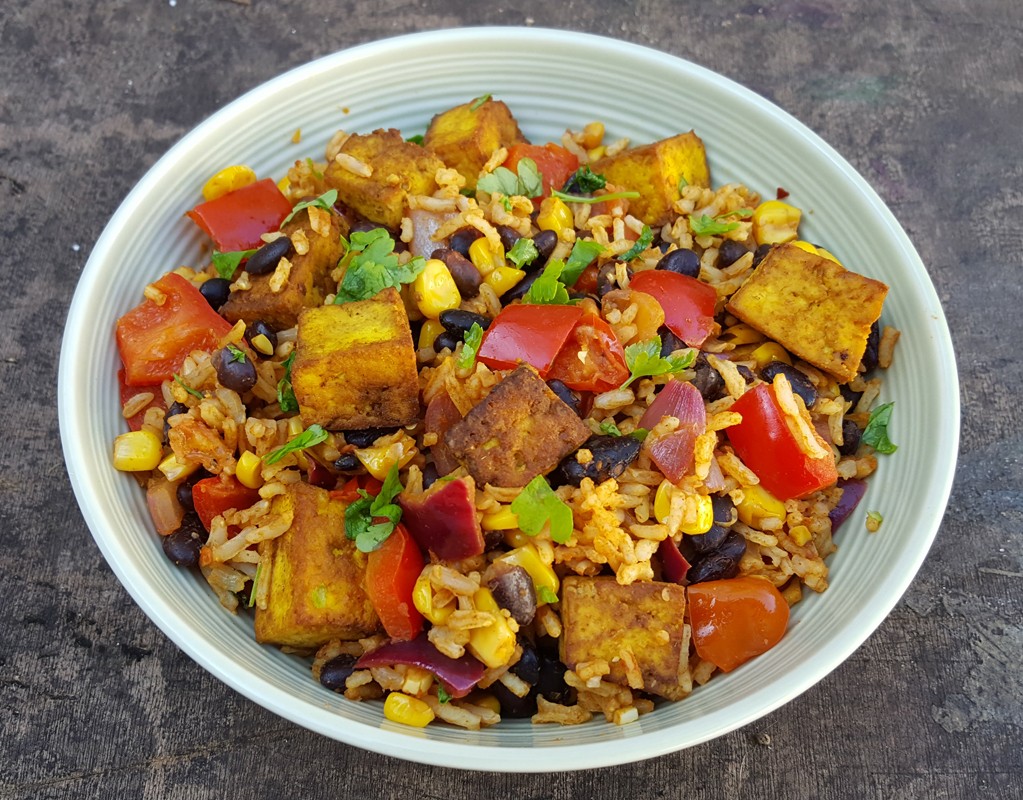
[459, 675]
[674, 566]
[852, 492]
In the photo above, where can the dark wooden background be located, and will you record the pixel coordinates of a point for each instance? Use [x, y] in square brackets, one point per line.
[925, 98]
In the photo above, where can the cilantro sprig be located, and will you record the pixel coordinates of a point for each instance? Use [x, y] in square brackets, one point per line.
[642, 243]
[537, 505]
[311, 436]
[325, 201]
[285, 392]
[584, 251]
[584, 181]
[608, 428]
[181, 382]
[548, 290]
[644, 360]
[705, 225]
[876, 432]
[546, 595]
[361, 516]
[479, 101]
[236, 353]
[471, 344]
[597, 198]
[227, 263]
[374, 267]
[523, 252]
[525, 181]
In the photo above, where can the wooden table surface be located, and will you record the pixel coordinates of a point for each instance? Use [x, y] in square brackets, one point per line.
[924, 98]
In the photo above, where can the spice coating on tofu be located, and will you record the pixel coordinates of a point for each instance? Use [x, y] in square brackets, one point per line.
[520, 430]
[637, 629]
[813, 306]
[355, 365]
[316, 575]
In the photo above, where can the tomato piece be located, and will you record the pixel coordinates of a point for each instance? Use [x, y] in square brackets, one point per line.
[766, 445]
[391, 573]
[592, 360]
[688, 303]
[236, 220]
[349, 493]
[213, 496]
[128, 392]
[528, 334]
[154, 340]
[554, 162]
[736, 619]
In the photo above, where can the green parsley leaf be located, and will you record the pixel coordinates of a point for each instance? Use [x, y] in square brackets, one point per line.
[417, 139]
[226, 263]
[360, 516]
[597, 198]
[609, 428]
[876, 432]
[526, 181]
[547, 290]
[472, 339]
[194, 392]
[545, 594]
[236, 354]
[311, 436]
[479, 101]
[715, 226]
[325, 201]
[875, 517]
[642, 243]
[530, 178]
[374, 267]
[584, 251]
[285, 393]
[255, 585]
[442, 695]
[644, 360]
[312, 168]
[640, 434]
[523, 252]
[537, 505]
[584, 180]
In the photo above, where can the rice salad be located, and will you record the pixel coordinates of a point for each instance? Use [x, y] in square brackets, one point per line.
[485, 428]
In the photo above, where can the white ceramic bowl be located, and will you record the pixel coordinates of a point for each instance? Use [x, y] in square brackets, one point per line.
[543, 75]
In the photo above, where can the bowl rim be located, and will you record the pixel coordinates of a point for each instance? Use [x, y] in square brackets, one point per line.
[446, 753]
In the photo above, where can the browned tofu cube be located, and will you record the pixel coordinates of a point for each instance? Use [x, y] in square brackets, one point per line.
[466, 136]
[634, 628]
[355, 365]
[316, 575]
[520, 430]
[398, 169]
[655, 171]
[316, 255]
[812, 306]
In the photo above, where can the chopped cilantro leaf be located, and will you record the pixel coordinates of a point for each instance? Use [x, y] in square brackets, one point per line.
[312, 168]
[255, 585]
[523, 252]
[226, 263]
[479, 101]
[285, 393]
[704, 225]
[472, 340]
[312, 435]
[325, 201]
[644, 360]
[443, 696]
[526, 181]
[609, 428]
[361, 515]
[597, 198]
[584, 181]
[876, 432]
[194, 392]
[537, 505]
[417, 139]
[547, 289]
[640, 434]
[642, 243]
[584, 251]
[236, 354]
[374, 266]
[546, 595]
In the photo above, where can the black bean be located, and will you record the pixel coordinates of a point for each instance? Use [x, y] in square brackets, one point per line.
[870, 355]
[528, 666]
[669, 341]
[459, 322]
[509, 236]
[798, 380]
[235, 370]
[725, 513]
[183, 546]
[260, 328]
[347, 462]
[512, 706]
[849, 395]
[184, 493]
[720, 564]
[611, 456]
[746, 373]
[682, 261]
[175, 409]
[552, 680]
[705, 543]
[463, 272]
[545, 242]
[851, 435]
[266, 258]
[760, 253]
[569, 396]
[365, 437]
[513, 590]
[460, 240]
[730, 252]
[446, 339]
[607, 278]
[518, 291]
[708, 380]
[335, 672]
[430, 475]
[216, 291]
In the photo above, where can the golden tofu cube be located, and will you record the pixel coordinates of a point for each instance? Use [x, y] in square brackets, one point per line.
[398, 169]
[308, 280]
[316, 575]
[637, 629]
[655, 171]
[812, 306]
[355, 365]
[466, 136]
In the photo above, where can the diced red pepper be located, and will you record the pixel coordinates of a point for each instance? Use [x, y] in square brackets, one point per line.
[213, 496]
[391, 573]
[349, 492]
[688, 303]
[592, 359]
[128, 392]
[554, 162]
[236, 220]
[528, 334]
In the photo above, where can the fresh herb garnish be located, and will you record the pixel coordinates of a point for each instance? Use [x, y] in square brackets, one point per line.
[417, 139]
[525, 181]
[584, 181]
[255, 584]
[608, 428]
[361, 515]
[311, 436]
[312, 168]
[644, 360]
[546, 595]
[876, 518]
[642, 243]
[236, 354]
[537, 505]
[704, 225]
[479, 101]
[374, 267]
[547, 290]
[226, 263]
[285, 393]
[471, 343]
[876, 432]
[597, 198]
[584, 251]
[682, 184]
[523, 252]
[325, 201]
[442, 695]
[181, 382]
[640, 434]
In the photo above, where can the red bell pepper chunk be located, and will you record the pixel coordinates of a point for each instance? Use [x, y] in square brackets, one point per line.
[127, 392]
[592, 359]
[213, 496]
[554, 163]
[528, 334]
[349, 492]
[154, 340]
[391, 573]
[766, 445]
[688, 303]
[236, 220]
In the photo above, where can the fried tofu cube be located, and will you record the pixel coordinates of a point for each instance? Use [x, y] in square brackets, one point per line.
[278, 303]
[397, 169]
[812, 306]
[655, 171]
[355, 365]
[520, 430]
[466, 136]
[637, 629]
[316, 575]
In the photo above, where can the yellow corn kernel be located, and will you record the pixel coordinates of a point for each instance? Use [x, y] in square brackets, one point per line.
[759, 504]
[422, 599]
[554, 216]
[431, 330]
[486, 700]
[593, 135]
[528, 557]
[775, 222]
[768, 352]
[704, 516]
[174, 469]
[284, 184]
[262, 345]
[494, 644]
[800, 534]
[503, 519]
[662, 501]
[742, 334]
[417, 681]
[596, 153]
[137, 451]
[809, 248]
[516, 538]
[379, 459]
[434, 289]
[407, 710]
[249, 471]
[484, 257]
[501, 279]
[228, 180]
[828, 255]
